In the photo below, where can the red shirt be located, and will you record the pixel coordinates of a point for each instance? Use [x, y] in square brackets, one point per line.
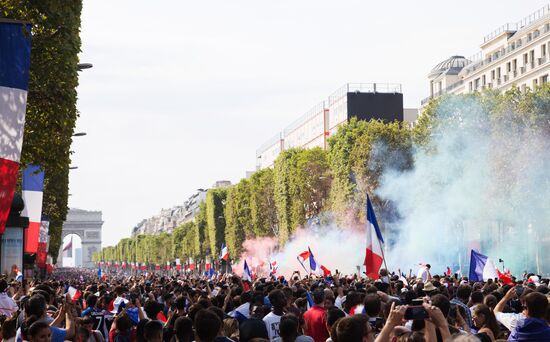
[316, 323]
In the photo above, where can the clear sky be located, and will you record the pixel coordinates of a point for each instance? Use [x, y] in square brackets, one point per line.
[182, 93]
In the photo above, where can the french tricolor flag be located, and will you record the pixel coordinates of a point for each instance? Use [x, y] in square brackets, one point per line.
[15, 55]
[247, 274]
[33, 190]
[481, 267]
[375, 255]
[224, 253]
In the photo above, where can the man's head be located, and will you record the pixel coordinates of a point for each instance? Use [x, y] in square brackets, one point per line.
[288, 327]
[3, 285]
[442, 303]
[373, 304]
[463, 292]
[536, 305]
[277, 298]
[333, 315]
[207, 326]
[318, 296]
[353, 329]
[152, 332]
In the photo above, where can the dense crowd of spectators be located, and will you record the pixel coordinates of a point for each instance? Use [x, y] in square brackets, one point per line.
[77, 306]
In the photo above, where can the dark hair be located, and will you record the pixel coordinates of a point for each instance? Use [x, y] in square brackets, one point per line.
[36, 305]
[3, 285]
[318, 296]
[373, 304]
[152, 308]
[463, 292]
[352, 329]
[36, 328]
[181, 301]
[536, 304]
[412, 336]
[207, 325]
[477, 297]
[9, 328]
[183, 329]
[91, 300]
[490, 319]
[277, 298]
[333, 315]
[442, 303]
[151, 329]
[123, 322]
[288, 327]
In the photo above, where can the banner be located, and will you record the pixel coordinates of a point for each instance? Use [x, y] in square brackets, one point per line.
[43, 241]
[15, 54]
[33, 188]
[12, 252]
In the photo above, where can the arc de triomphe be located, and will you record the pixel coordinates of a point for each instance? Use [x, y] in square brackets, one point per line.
[87, 225]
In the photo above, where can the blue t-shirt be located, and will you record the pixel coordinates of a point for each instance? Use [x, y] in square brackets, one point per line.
[58, 334]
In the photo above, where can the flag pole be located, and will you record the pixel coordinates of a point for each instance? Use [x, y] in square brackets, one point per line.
[301, 263]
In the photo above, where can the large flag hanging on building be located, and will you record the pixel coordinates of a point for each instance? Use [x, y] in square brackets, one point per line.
[224, 253]
[43, 240]
[69, 249]
[33, 189]
[481, 267]
[374, 256]
[15, 54]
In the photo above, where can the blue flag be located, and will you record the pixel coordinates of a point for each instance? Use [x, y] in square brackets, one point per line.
[312, 263]
[247, 275]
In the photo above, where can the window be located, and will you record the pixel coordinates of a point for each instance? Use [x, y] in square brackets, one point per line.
[525, 59]
[508, 66]
[498, 72]
[535, 83]
[544, 79]
[492, 74]
[476, 83]
[470, 86]
[543, 50]
[515, 64]
[483, 80]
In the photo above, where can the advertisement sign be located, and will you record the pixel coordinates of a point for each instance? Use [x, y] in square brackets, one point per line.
[11, 259]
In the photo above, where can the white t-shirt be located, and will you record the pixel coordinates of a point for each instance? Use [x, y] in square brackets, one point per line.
[423, 273]
[7, 305]
[272, 321]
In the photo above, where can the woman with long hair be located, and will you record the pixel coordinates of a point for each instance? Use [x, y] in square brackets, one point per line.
[485, 321]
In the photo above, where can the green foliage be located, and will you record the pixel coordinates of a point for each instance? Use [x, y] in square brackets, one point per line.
[51, 104]
[215, 219]
[238, 217]
[263, 211]
[301, 185]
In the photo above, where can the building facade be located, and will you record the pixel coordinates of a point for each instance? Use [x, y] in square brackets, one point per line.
[364, 101]
[513, 54]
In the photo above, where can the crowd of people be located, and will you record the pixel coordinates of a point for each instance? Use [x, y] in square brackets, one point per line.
[79, 306]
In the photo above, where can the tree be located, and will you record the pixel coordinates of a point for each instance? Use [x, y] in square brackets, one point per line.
[215, 202]
[263, 211]
[51, 103]
[238, 218]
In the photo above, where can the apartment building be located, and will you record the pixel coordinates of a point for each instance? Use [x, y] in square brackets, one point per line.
[364, 101]
[513, 54]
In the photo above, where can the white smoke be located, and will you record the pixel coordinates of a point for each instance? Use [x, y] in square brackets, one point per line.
[483, 183]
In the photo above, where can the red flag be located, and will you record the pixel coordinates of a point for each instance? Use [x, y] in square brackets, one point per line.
[505, 278]
[326, 271]
[448, 271]
[303, 256]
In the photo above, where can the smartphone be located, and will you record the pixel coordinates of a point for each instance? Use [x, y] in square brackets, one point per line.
[416, 312]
